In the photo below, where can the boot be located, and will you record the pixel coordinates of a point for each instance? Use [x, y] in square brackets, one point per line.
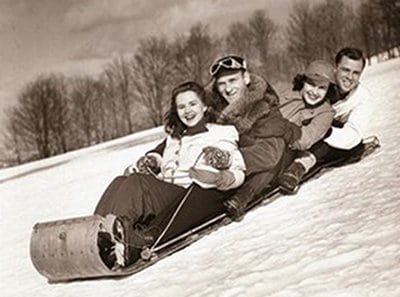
[235, 208]
[111, 243]
[106, 249]
[289, 181]
[135, 238]
[143, 235]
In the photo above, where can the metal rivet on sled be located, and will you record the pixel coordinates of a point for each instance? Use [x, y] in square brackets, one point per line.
[62, 235]
[146, 254]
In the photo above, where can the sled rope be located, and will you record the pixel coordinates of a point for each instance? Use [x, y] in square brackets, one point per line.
[171, 220]
[188, 192]
[174, 177]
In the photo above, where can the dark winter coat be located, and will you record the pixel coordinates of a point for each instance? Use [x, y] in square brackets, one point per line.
[262, 129]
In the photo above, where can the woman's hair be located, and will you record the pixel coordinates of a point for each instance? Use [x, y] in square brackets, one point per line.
[173, 124]
[298, 82]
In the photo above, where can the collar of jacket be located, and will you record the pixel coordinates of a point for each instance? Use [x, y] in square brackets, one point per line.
[244, 112]
[336, 96]
[199, 128]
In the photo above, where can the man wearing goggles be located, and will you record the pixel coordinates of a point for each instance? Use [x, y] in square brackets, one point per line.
[249, 103]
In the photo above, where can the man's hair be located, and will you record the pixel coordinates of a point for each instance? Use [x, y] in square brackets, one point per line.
[352, 53]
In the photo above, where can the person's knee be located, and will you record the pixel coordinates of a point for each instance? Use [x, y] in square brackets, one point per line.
[135, 179]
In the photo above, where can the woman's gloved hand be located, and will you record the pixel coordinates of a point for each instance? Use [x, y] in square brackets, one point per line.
[148, 164]
[222, 179]
[217, 158]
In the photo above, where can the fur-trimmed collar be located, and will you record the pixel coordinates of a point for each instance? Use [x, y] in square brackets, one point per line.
[258, 100]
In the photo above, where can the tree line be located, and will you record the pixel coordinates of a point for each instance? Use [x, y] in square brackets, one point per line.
[56, 114]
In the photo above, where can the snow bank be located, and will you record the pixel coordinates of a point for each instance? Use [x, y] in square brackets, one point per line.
[338, 237]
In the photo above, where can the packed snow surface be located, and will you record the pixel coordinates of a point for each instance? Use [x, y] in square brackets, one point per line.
[338, 237]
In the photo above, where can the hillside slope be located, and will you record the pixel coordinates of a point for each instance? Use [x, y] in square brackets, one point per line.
[339, 236]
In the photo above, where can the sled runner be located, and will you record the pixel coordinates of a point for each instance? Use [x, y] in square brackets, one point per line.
[66, 250]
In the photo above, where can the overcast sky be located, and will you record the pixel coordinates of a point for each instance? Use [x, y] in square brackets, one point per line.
[72, 36]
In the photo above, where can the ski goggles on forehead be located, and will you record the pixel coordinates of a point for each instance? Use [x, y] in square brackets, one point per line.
[227, 63]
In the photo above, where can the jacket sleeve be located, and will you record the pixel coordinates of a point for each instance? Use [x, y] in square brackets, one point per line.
[355, 115]
[263, 146]
[263, 155]
[271, 96]
[159, 149]
[226, 139]
[275, 125]
[237, 167]
[158, 152]
[314, 131]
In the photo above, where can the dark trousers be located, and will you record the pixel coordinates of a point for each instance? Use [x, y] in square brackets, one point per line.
[138, 197]
[256, 183]
[200, 206]
[145, 200]
[326, 154]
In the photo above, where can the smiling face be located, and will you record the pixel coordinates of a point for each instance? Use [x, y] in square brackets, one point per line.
[314, 93]
[233, 86]
[190, 108]
[347, 74]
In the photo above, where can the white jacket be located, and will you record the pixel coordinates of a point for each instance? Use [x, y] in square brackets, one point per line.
[182, 154]
[353, 111]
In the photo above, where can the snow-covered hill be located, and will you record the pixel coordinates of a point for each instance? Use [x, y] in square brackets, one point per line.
[338, 237]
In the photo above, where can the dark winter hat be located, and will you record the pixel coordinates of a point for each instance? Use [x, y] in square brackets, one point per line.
[227, 65]
[320, 71]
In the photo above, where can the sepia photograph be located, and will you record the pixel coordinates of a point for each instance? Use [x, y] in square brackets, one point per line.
[199, 148]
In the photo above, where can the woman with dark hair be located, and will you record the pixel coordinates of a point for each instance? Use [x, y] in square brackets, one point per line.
[306, 105]
[172, 171]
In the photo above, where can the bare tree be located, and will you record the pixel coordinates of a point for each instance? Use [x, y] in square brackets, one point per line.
[320, 30]
[85, 110]
[388, 12]
[194, 54]
[301, 38]
[239, 40]
[41, 116]
[380, 27]
[154, 76]
[117, 73]
[13, 145]
[262, 29]
[369, 32]
[60, 124]
[107, 113]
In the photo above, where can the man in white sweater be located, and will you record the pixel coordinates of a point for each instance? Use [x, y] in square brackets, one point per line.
[344, 139]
